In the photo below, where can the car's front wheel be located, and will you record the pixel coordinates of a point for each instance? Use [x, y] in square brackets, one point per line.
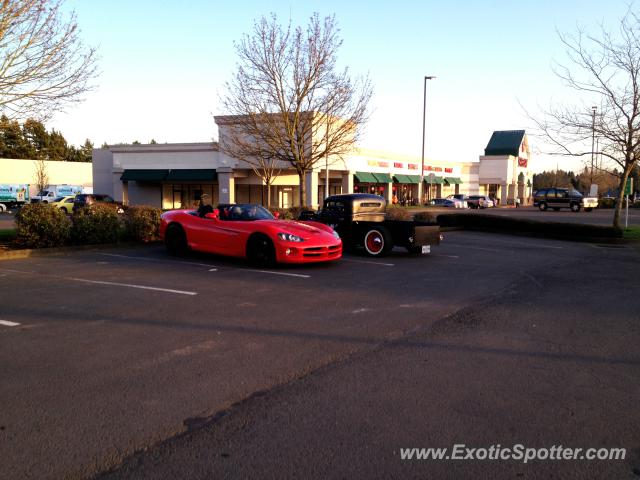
[64, 210]
[175, 240]
[260, 250]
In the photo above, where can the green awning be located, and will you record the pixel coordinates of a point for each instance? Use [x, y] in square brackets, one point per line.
[192, 175]
[453, 180]
[382, 177]
[365, 177]
[407, 179]
[433, 181]
[137, 175]
[399, 178]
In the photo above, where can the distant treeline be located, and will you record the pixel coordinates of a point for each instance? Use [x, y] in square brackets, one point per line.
[607, 182]
[32, 140]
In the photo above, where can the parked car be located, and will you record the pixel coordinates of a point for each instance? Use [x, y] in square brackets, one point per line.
[445, 202]
[85, 199]
[361, 221]
[480, 201]
[249, 231]
[557, 198]
[64, 203]
[460, 198]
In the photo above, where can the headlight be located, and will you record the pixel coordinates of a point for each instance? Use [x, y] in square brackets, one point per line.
[290, 237]
[335, 234]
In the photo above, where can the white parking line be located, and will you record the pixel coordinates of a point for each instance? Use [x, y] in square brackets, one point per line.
[298, 275]
[446, 256]
[368, 262]
[131, 285]
[7, 323]
[156, 260]
[101, 282]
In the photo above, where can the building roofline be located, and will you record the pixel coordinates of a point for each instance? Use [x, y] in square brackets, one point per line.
[165, 147]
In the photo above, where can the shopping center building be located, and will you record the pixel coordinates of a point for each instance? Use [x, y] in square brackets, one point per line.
[176, 175]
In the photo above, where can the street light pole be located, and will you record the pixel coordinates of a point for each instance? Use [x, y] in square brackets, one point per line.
[326, 160]
[424, 118]
[593, 138]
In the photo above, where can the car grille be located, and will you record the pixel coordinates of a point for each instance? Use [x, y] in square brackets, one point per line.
[319, 253]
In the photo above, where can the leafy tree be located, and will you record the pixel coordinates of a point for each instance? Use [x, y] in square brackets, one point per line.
[36, 134]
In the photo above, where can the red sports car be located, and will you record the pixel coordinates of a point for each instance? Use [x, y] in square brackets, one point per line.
[251, 231]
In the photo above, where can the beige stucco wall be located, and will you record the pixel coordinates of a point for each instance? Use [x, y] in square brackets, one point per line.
[60, 173]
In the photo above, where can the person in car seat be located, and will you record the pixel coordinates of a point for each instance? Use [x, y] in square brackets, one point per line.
[205, 205]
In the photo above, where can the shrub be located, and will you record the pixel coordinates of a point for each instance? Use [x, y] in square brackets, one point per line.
[42, 225]
[398, 213]
[607, 202]
[142, 223]
[494, 223]
[98, 223]
[291, 213]
[430, 217]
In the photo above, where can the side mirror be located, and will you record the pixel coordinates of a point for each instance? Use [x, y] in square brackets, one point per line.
[276, 215]
[215, 215]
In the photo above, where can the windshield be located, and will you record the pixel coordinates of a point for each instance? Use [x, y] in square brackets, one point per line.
[244, 212]
[57, 199]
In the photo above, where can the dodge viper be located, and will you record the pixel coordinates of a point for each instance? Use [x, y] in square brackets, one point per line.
[249, 231]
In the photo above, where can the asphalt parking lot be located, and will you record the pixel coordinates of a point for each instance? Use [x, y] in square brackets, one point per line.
[126, 363]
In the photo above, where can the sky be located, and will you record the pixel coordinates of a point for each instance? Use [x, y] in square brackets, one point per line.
[164, 64]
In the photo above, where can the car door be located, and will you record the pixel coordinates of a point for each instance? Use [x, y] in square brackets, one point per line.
[213, 235]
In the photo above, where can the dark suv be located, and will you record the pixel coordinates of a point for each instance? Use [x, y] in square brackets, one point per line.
[86, 199]
[557, 198]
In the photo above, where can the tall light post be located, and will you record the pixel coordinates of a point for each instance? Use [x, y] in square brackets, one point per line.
[593, 138]
[326, 160]
[424, 118]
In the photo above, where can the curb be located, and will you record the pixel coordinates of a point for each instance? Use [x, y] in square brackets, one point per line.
[19, 254]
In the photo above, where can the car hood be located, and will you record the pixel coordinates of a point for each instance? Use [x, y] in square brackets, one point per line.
[297, 228]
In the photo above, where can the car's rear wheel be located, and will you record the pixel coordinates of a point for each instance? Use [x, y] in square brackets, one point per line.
[175, 241]
[377, 242]
[260, 251]
[575, 207]
[542, 206]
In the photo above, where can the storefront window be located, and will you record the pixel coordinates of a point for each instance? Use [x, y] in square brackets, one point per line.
[175, 196]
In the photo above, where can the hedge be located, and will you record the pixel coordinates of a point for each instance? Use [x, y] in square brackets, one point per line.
[142, 223]
[97, 223]
[494, 223]
[41, 225]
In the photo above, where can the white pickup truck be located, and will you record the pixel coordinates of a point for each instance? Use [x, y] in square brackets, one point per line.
[55, 191]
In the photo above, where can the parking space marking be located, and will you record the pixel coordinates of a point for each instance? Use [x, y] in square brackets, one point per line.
[131, 285]
[286, 274]
[7, 323]
[212, 268]
[442, 255]
[368, 262]
[102, 282]
[157, 260]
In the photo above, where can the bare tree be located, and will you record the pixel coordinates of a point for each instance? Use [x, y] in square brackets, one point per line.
[43, 64]
[288, 101]
[605, 70]
[41, 176]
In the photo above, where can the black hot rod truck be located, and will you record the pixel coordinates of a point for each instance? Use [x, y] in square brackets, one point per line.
[360, 220]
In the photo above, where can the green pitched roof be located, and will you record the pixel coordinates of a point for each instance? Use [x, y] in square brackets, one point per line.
[505, 142]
